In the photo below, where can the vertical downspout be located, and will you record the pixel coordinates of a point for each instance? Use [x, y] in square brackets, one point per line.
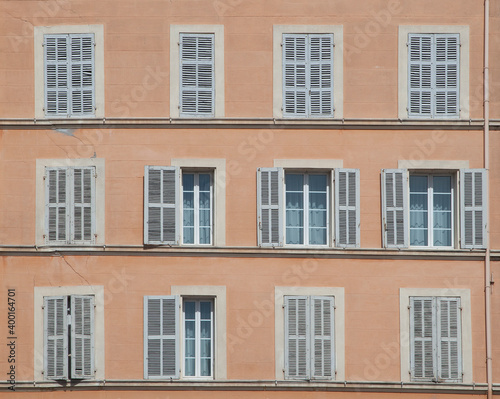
[487, 266]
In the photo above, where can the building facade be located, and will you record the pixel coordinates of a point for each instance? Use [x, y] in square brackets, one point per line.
[252, 199]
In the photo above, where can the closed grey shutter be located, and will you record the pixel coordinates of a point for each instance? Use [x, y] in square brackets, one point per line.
[321, 75]
[449, 339]
[447, 74]
[269, 202]
[82, 75]
[161, 336]
[297, 339]
[322, 364]
[56, 206]
[422, 335]
[295, 85]
[161, 188]
[473, 217]
[55, 338]
[84, 204]
[420, 70]
[57, 90]
[82, 336]
[395, 208]
[347, 223]
[197, 79]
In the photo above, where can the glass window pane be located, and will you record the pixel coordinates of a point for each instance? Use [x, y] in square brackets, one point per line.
[318, 183]
[204, 182]
[294, 182]
[190, 328]
[205, 368]
[189, 369]
[188, 200]
[206, 310]
[190, 347]
[189, 310]
[317, 236]
[418, 184]
[205, 200]
[294, 235]
[442, 184]
[206, 348]
[418, 237]
[188, 235]
[317, 201]
[188, 181]
[294, 200]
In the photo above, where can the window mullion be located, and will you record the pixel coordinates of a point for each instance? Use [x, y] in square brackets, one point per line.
[197, 331]
[306, 209]
[196, 199]
[430, 212]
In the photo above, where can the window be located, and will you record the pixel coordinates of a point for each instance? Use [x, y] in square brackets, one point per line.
[308, 71]
[309, 333]
[69, 318]
[181, 337]
[197, 71]
[419, 209]
[303, 216]
[69, 333]
[71, 82]
[434, 73]
[70, 201]
[436, 342]
[164, 208]
[435, 339]
[309, 337]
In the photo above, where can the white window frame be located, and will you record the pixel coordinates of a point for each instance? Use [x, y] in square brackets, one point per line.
[466, 333]
[218, 32]
[99, 205]
[39, 34]
[217, 168]
[339, 322]
[338, 63]
[40, 293]
[403, 89]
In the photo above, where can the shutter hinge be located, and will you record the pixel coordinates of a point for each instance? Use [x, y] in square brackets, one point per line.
[408, 306]
[281, 44]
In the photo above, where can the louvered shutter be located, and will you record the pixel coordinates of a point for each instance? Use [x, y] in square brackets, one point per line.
[55, 338]
[295, 79]
[161, 336]
[82, 74]
[420, 73]
[447, 75]
[161, 188]
[473, 217]
[297, 338]
[321, 75]
[82, 336]
[395, 208]
[269, 203]
[57, 90]
[56, 206]
[83, 223]
[347, 223]
[422, 336]
[322, 363]
[449, 349]
[197, 79]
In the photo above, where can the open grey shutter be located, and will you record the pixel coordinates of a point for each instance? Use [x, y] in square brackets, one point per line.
[447, 74]
[56, 206]
[82, 75]
[347, 224]
[422, 311]
[269, 201]
[82, 336]
[395, 208]
[161, 336]
[56, 75]
[297, 339]
[295, 90]
[197, 79]
[55, 338]
[473, 217]
[420, 81]
[161, 188]
[84, 205]
[321, 75]
[322, 364]
[449, 349]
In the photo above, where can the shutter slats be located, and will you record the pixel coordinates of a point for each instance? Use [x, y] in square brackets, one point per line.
[347, 204]
[394, 208]
[297, 340]
[473, 215]
[82, 330]
[55, 338]
[56, 203]
[269, 202]
[449, 339]
[322, 337]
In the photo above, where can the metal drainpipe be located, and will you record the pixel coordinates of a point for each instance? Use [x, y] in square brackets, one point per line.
[487, 266]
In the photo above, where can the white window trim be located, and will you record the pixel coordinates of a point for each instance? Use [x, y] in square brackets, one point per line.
[98, 292]
[218, 293]
[404, 30]
[39, 32]
[404, 317]
[279, 326]
[41, 164]
[218, 31]
[338, 64]
[432, 165]
[219, 193]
